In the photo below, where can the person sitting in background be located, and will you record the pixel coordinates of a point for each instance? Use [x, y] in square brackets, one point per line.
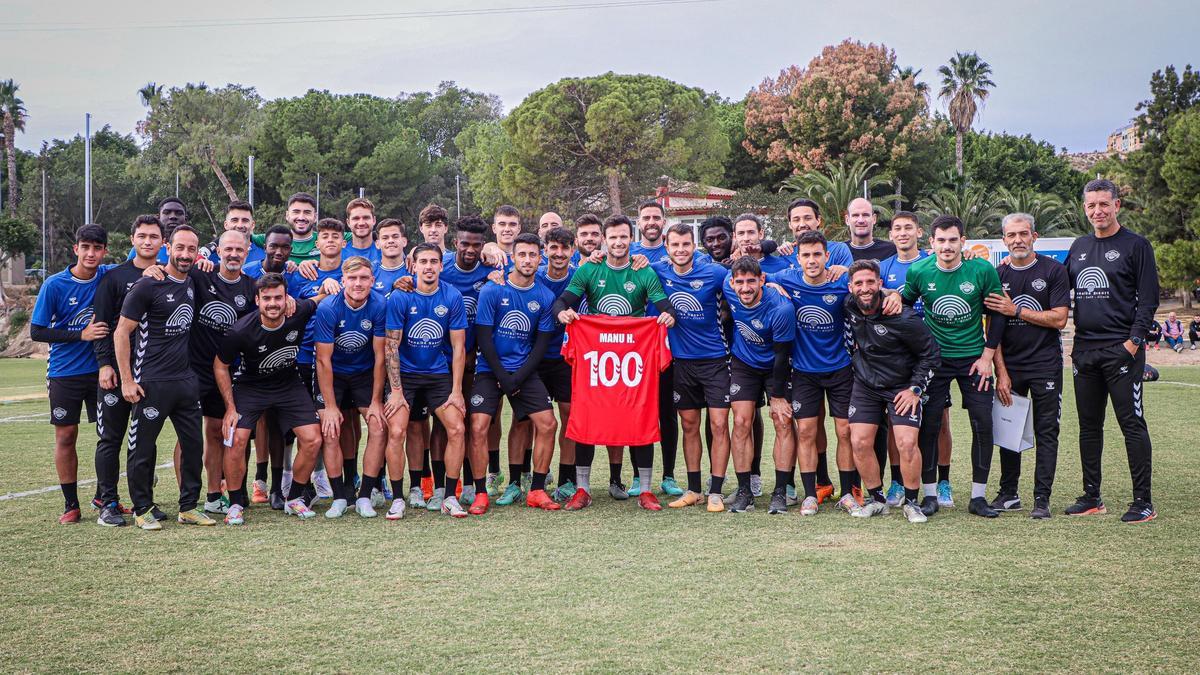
[1173, 331]
[1194, 331]
[1154, 336]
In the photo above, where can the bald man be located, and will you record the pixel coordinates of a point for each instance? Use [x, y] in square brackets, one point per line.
[547, 222]
[860, 221]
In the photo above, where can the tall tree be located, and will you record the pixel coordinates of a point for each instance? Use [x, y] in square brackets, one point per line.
[13, 110]
[977, 208]
[834, 188]
[966, 83]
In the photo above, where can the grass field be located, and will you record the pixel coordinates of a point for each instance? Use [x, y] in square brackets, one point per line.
[611, 588]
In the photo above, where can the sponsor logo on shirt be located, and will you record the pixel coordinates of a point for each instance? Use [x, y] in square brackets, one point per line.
[1038, 285]
[1091, 283]
[967, 287]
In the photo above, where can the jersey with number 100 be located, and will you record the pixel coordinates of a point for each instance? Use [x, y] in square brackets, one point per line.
[615, 362]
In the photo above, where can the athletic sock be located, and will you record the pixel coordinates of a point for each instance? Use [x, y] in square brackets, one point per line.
[364, 487]
[350, 469]
[296, 490]
[426, 471]
[480, 485]
[527, 463]
[398, 488]
[514, 474]
[930, 489]
[70, 495]
[439, 473]
[877, 495]
[614, 473]
[791, 480]
[494, 461]
[539, 481]
[693, 481]
[897, 476]
[213, 497]
[583, 476]
[782, 478]
[239, 497]
[978, 490]
[718, 483]
[743, 479]
[910, 494]
[809, 479]
[338, 485]
[468, 473]
[414, 477]
[260, 471]
[646, 473]
[849, 480]
[823, 469]
[943, 472]
[276, 479]
[451, 487]
[566, 472]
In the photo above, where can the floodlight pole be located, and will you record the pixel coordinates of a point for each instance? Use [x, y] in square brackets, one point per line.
[87, 168]
[250, 181]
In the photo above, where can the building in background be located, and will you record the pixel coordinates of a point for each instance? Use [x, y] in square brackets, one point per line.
[1124, 140]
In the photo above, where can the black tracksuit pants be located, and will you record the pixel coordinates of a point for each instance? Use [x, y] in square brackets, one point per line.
[1045, 391]
[1111, 373]
[979, 410]
[179, 401]
[112, 421]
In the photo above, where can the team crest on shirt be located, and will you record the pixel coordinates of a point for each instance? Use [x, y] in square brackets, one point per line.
[735, 388]
[478, 285]
[629, 286]
[59, 413]
[110, 400]
[850, 411]
[967, 287]
[1112, 255]
[534, 305]
[320, 399]
[676, 396]
[795, 406]
[440, 310]
[291, 336]
[190, 293]
[366, 324]
[1038, 285]
[476, 400]
[150, 413]
[696, 284]
[829, 299]
[239, 300]
[758, 325]
[881, 329]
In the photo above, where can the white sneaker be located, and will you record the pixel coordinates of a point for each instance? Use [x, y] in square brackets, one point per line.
[376, 500]
[755, 485]
[215, 507]
[871, 508]
[320, 481]
[364, 508]
[298, 508]
[912, 511]
[848, 504]
[451, 507]
[337, 509]
[809, 506]
[397, 510]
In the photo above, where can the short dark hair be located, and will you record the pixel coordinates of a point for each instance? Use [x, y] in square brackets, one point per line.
[864, 264]
[812, 237]
[390, 222]
[527, 238]
[506, 210]
[588, 219]
[681, 229]
[268, 281]
[239, 205]
[906, 215]
[471, 225]
[745, 265]
[615, 220]
[652, 204]
[432, 214]
[722, 222]
[146, 219]
[169, 200]
[331, 224]
[278, 229]
[1102, 185]
[360, 203]
[754, 217]
[92, 234]
[303, 197]
[184, 228]
[797, 203]
[561, 236]
[423, 247]
[948, 222]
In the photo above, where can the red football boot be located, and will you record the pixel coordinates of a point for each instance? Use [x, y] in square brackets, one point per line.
[648, 501]
[480, 505]
[539, 499]
[580, 500]
[426, 487]
[70, 516]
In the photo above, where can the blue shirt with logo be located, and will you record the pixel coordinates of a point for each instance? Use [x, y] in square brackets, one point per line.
[893, 271]
[757, 329]
[468, 283]
[426, 321]
[516, 315]
[350, 331]
[385, 279]
[697, 332]
[65, 303]
[820, 344]
[371, 253]
[299, 288]
[774, 263]
[557, 286]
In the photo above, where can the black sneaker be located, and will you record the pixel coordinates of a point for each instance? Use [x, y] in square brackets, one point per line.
[980, 507]
[929, 505]
[1140, 511]
[778, 502]
[743, 501]
[277, 501]
[1041, 508]
[1004, 502]
[110, 516]
[158, 514]
[1087, 506]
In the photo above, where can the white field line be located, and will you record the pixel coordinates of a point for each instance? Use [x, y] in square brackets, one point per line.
[1182, 384]
[55, 488]
[22, 418]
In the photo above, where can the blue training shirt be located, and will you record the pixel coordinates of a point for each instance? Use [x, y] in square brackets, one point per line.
[350, 331]
[65, 303]
[820, 344]
[757, 329]
[893, 272]
[426, 321]
[299, 288]
[697, 333]
[516, 315]
[468, 283]
[554, 351]
[385, 278]
[371, 253]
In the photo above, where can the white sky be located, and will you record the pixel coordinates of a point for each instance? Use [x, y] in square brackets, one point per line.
[1066, 72]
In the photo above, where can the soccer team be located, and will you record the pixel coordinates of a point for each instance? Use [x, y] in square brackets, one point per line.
[295, 337]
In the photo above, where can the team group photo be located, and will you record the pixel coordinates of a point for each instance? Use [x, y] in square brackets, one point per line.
[329, 381]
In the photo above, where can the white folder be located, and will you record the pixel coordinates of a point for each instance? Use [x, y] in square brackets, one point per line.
[1012, 426]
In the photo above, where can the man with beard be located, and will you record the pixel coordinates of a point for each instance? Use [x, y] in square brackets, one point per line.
[112, 419]
[360, 220]
[301, 215]
[894, 359]
[171, 214]
[160, 383]
[239, 216]
[860, 220]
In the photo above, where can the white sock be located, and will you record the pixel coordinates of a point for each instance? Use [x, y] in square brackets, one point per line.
[930, 489]
[583, 477]
[978, 490]
[647, 476]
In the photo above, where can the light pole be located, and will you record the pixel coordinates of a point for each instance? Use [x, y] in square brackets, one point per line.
[87, 168]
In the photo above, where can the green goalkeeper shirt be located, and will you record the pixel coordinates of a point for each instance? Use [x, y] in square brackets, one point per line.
[616, 291]
[953, 302]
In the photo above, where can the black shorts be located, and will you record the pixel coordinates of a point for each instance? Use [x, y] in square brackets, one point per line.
[869, 405]
[556, 376]
[747, 383]
[425, 393]
[486, 394]
[68, 394]
[701, 383]
[809, 388]
[211, 403]
[351, 391]
[291, 403]
[308, 375]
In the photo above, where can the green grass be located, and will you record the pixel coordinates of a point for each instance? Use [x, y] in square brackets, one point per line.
[611, 588]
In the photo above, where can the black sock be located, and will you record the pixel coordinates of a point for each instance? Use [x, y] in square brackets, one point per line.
[910, 494]
[70, 495]
[260, 471]
[943, 472]
[566, 472]
[296, 490]
[743, 479]
[468, 473]
[338, 485]
[426, 472]
[693, 479]
[809, 479]
[213, 497]
[367, 484]
[276, 480]
[494, 461]
[791, 478]
[897, 476]
[781, 479]
[480, 486]
[397, 488]
[614, 473]
[823, 470]
[350, 469]
[239, 497]
[439, 473]
[414, 477]
[527, 463]
[877, 495]
[849, 480]
[514, 471]
[718, 483]
[451, 487]
[539, 481]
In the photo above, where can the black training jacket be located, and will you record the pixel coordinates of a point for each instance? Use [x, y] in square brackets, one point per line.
[894, 351]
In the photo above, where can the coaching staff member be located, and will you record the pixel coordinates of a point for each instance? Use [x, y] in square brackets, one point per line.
[1115, 281]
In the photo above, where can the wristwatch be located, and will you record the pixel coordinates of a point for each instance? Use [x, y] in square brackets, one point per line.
[1137, 341]
[1017, 314]
[916, 390]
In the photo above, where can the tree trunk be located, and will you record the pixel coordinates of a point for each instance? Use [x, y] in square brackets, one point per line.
[1185, 294]
[614, 192]
[11, 151]
[212, 161]
[958, 152]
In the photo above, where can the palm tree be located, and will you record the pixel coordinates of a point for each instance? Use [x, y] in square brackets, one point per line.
[965, 86]
[973, 206]
[907, 72]
[150, 93]
[13, 110]
[834, 188]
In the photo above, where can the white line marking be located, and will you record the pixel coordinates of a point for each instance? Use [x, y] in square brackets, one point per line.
[22, 418]
[1182, 384]
[55, 488]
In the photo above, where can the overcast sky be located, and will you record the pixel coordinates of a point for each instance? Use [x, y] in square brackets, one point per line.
[1066, 72]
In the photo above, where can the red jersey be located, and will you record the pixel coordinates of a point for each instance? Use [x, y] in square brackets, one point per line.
[614, 378]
